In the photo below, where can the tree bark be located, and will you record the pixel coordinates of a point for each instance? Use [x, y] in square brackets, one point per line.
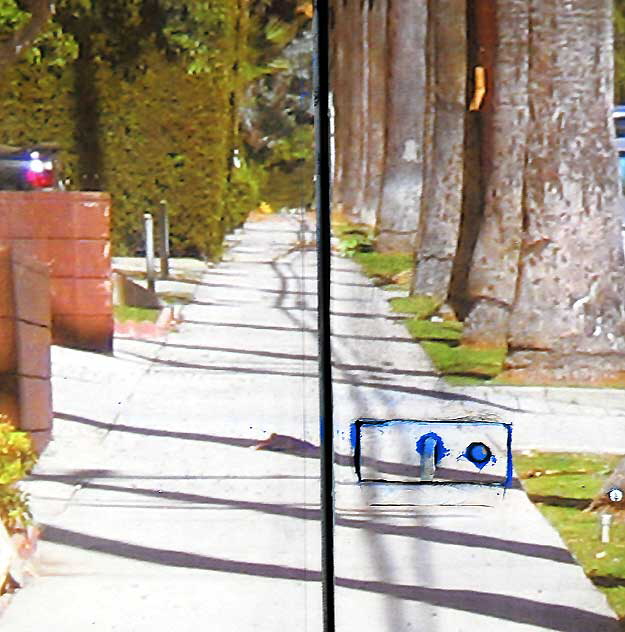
[339, 72]
[403, 177]
[352, 179]
[376, 108]
[494, 269]
[568, 319]
[442, 192]
[240, 36]
[480, 52]
[12, 48]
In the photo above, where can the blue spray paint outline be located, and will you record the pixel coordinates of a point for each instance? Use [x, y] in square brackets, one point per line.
[355, 440]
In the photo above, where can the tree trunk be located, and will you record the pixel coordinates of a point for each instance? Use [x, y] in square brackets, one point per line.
[568, 319]
[86, 111]
[353, 177]
[480, 52]
[493, 275]
[340, 94]
[401, 190]
[376, 108]
[442, 198]
[240, 36]
[12, 48]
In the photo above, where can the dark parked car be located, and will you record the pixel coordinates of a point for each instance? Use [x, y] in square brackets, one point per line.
[33, 168]
[618, 116]
[620, 146]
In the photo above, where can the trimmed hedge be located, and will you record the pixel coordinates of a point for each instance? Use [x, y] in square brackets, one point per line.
[152, 122]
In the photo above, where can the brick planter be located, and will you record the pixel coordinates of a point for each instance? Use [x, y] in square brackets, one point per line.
[25, 390]
[70, 231]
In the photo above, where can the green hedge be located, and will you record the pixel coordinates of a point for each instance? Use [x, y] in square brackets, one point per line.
[160, 123]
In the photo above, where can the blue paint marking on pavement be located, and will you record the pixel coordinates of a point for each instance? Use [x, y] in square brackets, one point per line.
[353, 434]
[509, 469]
[440, 450]
[479, 454]
[424, 447]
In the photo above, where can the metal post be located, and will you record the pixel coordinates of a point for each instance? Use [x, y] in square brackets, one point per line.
[148, 224]
[164, 239]
[428, 460]
[322, 146]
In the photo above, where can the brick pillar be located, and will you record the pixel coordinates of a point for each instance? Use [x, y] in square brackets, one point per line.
[25, 387]
[70, 230]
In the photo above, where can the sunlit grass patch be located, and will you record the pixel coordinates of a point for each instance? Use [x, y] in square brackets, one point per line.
[340, 229]
[562, 485]
[419, 305]
[124, 313]
[459, 360]
[384, 266]
[357, 241]
[459, 365]
[430, 330]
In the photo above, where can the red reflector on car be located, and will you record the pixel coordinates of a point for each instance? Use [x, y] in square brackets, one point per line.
[40, 179]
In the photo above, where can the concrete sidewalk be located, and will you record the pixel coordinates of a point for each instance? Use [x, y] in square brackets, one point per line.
[158, 514]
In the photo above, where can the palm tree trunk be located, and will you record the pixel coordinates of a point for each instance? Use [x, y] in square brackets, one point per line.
[376, 108]
[493, 274]
[568, 318]
[403, 171]
[442, 193]
[340, 91]
[353, 180]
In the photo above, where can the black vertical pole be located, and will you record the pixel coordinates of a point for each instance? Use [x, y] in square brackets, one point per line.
[322, 146]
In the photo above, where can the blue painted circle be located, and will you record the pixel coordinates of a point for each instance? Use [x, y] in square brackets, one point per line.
[478, 453]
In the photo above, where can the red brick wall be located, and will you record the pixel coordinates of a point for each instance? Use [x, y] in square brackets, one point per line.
[25, 389]
[71, 232]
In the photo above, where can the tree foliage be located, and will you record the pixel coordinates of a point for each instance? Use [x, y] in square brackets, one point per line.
[145, 97]
[277, 117]
[619, 51]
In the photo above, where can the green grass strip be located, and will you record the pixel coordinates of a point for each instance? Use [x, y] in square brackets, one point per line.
[465, 361]
[123, 313]
[421, 306]
[428, 330]
[384, 265]
[562, 485]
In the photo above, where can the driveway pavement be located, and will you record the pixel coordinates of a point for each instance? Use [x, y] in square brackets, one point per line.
[158, 513]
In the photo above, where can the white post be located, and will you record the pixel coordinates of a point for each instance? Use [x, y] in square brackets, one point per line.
[148, 224]
[606, 519]
[164, 226]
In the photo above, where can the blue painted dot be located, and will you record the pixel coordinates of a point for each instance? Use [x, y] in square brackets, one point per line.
[478, 453]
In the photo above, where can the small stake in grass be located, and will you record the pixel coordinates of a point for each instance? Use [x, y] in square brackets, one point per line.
[606, 521]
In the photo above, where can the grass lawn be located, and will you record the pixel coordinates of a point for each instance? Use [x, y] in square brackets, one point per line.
[562, 485]
[429, 330]
[419, 306]
[459, 360]
[459, 365]
[384, 267]
[123, 313]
